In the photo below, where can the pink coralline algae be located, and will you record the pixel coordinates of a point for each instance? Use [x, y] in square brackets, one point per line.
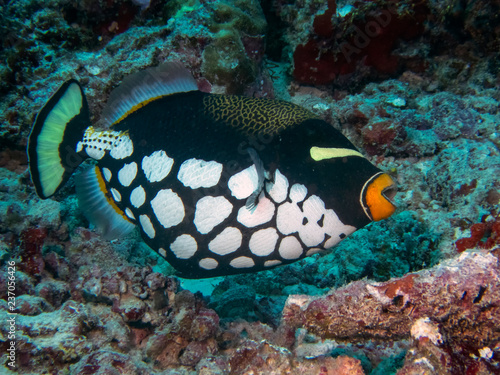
[485, 235]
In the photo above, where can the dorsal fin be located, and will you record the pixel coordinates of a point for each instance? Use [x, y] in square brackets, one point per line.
[140, 88]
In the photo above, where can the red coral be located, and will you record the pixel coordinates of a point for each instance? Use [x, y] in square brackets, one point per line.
[32, 240]
[378, 136]
[484, 235]
[370, 41]
[323, 23]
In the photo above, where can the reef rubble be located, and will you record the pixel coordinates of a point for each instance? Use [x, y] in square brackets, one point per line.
[132, 320]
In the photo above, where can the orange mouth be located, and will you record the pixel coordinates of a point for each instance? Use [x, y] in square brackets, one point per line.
[377, 197]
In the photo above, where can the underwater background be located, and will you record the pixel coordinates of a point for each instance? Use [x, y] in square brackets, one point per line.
[414, 84]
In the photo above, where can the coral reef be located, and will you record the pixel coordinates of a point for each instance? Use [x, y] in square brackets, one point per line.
[451, 312]
[413, 84]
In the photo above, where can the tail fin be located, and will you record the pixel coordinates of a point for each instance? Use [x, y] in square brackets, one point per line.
[58, 128]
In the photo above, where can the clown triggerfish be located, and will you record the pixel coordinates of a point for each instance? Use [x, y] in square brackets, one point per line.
[217, 184]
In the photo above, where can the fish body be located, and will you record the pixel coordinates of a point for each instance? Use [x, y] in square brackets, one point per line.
[217, 184]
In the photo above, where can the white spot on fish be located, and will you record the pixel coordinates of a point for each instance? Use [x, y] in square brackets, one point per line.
[147, 226]
[242, 262]
[262, 213]
[313, 251]
[211, 211]
[263, 242]
[122, 147]
[290, 248]
[298, 193]
[244, 183]
[270, 263]
[195, 173]
[95, 153]
[96, 144]
[157, 166]
[168, 208]
[138, 196]
[184, 246]
[129, 213]
[289, 218]
[311, 233]
[162, 252]
[312, 223]
[127, 174]
[336, 229]
[278, 191]
[116, 195]
[107, 174]
[226, 242]
[208, 263]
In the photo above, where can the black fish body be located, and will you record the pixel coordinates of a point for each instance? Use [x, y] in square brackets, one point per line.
[217, 184]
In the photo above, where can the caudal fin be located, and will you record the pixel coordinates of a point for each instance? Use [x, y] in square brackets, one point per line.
[58, 128]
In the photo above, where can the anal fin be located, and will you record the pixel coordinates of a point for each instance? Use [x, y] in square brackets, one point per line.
[100, 210]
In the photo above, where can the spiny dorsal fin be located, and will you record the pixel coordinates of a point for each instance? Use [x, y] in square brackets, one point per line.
[142, 87]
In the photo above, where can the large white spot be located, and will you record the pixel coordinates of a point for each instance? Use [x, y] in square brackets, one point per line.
[289, 218]
[195, 173]
[211, 211]
[335, 229]
[138, 197]
[278, 191]
[311, 233]
[244, 183]
[122, 148]
[298, 192]
[226, 242]
[290, 248]
[184, 246]
[208, 263]
[168, 208]
[242, 262]
[312, 222]
[127, 174]
[263, 242]
[156, 166]
[147, 226]
[262, 213]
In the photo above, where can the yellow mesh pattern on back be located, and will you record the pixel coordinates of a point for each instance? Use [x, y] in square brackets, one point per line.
[255, 115]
